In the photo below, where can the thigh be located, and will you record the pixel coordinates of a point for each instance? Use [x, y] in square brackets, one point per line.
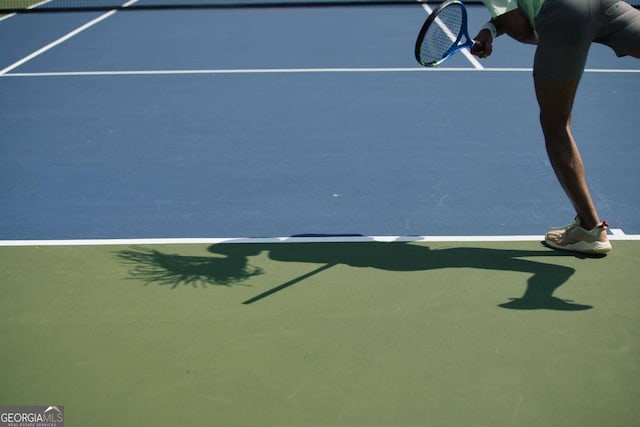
[619, 27]
[565, 32]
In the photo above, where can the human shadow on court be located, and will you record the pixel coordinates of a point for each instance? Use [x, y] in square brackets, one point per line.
[152, 266]
[229, 265]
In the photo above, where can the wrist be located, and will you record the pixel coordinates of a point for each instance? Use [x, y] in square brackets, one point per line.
[491, 28]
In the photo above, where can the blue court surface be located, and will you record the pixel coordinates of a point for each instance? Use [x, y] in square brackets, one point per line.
[273, 218]
[264, 123]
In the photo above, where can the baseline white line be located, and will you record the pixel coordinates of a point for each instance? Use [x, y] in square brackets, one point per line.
[476, 64]
[293, 71]
[617, 234]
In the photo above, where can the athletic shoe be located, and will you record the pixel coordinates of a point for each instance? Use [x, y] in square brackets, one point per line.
[575, 238]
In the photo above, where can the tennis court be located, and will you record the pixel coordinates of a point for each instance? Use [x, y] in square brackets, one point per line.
[274, 217]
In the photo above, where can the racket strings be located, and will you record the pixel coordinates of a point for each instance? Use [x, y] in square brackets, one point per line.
[442, 34]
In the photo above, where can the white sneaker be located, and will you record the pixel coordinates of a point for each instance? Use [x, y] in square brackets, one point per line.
[575, 238]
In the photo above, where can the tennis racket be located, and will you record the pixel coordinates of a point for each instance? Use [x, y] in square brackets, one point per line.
[443, 34]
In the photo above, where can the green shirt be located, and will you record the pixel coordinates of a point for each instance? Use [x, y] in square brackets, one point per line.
[529, 7]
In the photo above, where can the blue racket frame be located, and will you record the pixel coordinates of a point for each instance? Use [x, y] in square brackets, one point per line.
[456, 46]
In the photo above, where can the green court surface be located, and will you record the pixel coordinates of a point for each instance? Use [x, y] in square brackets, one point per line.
[355, 334]
[16, 4]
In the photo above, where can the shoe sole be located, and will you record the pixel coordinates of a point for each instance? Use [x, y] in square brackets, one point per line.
[593, 248]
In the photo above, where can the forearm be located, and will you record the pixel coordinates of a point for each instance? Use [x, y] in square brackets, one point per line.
[516, 26]
[513, 23]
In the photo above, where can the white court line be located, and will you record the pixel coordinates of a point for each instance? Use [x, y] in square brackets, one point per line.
[476, 64]
[61, 39]
[233, 71]
[294, 71]
[56, 42]
[33, 6]
[2, 18]
[616, 234]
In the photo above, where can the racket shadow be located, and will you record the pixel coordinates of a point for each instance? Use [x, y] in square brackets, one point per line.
[229, 265]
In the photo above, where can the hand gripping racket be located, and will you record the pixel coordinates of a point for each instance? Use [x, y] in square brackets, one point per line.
[443, 34]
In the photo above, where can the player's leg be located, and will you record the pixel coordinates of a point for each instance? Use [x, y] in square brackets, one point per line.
[619, 27]
[565, 35]
[587, 234]
[556, 102]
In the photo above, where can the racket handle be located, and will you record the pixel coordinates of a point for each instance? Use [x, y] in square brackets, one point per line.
[477, 47]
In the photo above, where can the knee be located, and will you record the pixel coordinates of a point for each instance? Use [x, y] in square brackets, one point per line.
[554, 124]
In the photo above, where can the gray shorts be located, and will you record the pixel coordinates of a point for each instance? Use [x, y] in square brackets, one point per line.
[566, 29]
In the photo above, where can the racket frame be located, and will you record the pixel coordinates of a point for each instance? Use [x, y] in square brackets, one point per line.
[456, 45]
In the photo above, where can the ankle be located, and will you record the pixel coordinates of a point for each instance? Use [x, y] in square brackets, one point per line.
[588, 223]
